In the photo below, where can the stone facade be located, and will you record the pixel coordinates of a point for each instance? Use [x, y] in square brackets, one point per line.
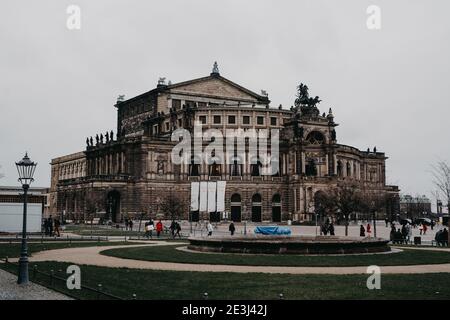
[131, 173]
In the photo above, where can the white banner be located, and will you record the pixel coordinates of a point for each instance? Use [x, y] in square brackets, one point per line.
[212, 196]
[221, 185]
[194, 195]
[203, 196]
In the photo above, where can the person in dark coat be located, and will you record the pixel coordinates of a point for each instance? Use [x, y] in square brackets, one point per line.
[57, 227]
[177, 230]
[46, 232]
[172, 228]
[232, 228]
[362, 231]
[404, 232]
[50, 226]
[130, 224]
[331, 229]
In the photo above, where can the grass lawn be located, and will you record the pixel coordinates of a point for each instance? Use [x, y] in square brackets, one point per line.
[152, 284]
[13, 250]
[171, 254]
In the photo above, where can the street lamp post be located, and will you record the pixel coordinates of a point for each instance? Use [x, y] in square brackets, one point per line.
[25, 168]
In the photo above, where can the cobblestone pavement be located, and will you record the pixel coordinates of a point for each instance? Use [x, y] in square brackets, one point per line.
[10, 290]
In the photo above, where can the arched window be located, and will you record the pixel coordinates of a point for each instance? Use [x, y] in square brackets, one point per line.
[235, 198]
[348, 170]
[339, 168]
[276, 198]
[315, 137]
[256, 198]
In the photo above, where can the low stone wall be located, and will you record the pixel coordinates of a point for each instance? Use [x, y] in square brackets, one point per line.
[289, 245]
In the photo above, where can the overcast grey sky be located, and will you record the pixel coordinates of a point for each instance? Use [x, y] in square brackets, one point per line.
[388, 88]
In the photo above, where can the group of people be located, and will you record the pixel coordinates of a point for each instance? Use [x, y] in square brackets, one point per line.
[149, 226]
[52, 227]
[327, 227]
[363, 231]
[399, 236]
[128, 224]
[441, 238]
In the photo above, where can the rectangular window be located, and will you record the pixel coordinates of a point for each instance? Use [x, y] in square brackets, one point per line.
[202, 119]
[176, 104]
[273, 121]
[180, 123]
[260, 120]
[246, 120]
[201, 104]
[167, 126]
[217, 119]
[232, 119]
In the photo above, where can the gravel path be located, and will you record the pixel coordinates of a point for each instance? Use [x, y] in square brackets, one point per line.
[10, 290]
[92, 256]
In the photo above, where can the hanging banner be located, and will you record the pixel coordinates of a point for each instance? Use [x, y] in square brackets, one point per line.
[212, 196]
[221, 185]
[203, 196]
[195, 188]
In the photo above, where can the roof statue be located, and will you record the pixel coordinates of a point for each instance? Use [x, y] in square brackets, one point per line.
[215, 69]
[121, 98]
[162, 81]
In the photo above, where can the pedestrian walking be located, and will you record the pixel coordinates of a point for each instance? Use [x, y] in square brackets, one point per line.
[172, 228]
[177, 230]
[130, 224]
[362, 231]
[425, 228]
[159, 228]
[421, 229]
[331, 229]
[50, 226]
[210, 228]
[232, 228]
[57, 227]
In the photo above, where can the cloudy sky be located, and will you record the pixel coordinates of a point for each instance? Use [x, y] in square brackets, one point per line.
[388, 88]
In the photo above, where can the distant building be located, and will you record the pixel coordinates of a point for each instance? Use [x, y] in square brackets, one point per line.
[11, 208]
[131, 172]
[414, 207]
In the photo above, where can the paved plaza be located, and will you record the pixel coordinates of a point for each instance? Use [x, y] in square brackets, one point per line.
[10, 290]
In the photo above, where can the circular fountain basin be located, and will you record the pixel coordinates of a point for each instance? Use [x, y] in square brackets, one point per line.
[264, 244]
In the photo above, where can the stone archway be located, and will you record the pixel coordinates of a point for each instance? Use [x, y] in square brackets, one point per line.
[236, 207]
[276, 208]
[113, 206]
[256, 208]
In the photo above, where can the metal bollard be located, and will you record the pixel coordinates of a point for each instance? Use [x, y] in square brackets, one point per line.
[52, 274]
[99, 291]
[134, 296]
[6, 259]
[281, 296]
[205, 296]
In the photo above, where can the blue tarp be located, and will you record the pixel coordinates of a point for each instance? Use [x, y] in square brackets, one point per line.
[272, 230]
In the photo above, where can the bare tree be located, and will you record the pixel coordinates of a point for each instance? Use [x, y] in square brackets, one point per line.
[172, 206]
[342, 200]
[441, 179]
